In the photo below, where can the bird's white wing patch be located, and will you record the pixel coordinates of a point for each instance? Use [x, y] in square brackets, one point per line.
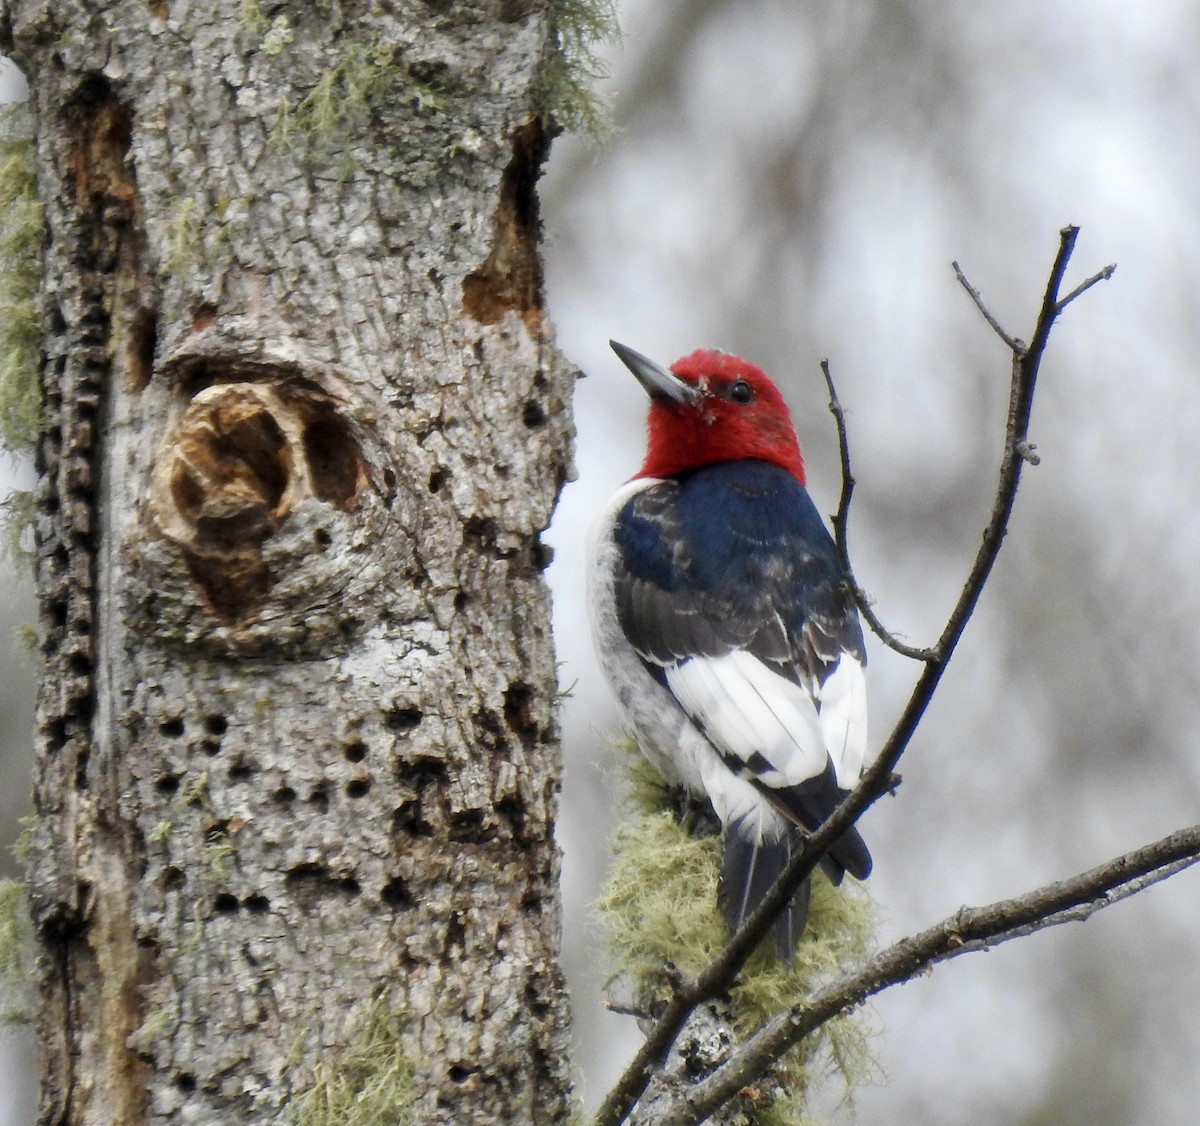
[843, 704]
[752, 714]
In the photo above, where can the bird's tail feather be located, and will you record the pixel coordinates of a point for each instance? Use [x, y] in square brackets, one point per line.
[748, 869]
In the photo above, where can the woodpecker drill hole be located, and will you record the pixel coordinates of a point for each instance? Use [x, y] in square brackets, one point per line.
[395, 894]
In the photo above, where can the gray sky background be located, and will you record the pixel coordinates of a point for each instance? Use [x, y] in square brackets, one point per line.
[791, 182]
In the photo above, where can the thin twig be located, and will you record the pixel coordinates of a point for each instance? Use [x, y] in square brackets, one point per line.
[1025, 366]
[968, 929]
[1084, 286]
[841, 521]
[720, 974]
[1014, 345]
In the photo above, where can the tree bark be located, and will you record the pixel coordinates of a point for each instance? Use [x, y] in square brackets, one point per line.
[304, 423]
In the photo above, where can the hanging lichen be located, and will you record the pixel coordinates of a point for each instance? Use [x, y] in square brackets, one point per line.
[20, 279]
[574, 66]
[660, 910]
[369, 1084]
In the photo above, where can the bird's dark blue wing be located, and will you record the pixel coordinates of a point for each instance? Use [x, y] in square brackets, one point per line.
[730, 591]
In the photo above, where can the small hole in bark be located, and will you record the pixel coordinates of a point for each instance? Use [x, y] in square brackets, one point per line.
[358, 787]
[143, 340]
[471, 827]
[172, 878]
[186, 1083]
[395, 894]
[312, 879]
[334, 461]
[80, 664]
[210, 746]
[172, 728]
[407, 821]
[534, 415]
[322, 539]
[355, 751]
[56, 611]
[285, 795]
[55, 734]
[403, 719]
[460, 1074]
[216, 724]
[205, 316]
[518, 712]
[225, 904]
[167, 783]
[241, 771]
[319, 799]
[513, 810]
[256, 904]
[438, 479]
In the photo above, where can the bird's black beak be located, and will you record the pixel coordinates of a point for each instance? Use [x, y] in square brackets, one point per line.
[659, 383]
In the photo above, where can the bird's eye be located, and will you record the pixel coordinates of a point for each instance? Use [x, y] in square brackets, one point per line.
[741, 392]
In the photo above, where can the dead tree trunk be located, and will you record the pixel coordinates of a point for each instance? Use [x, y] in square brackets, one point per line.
[297, 761]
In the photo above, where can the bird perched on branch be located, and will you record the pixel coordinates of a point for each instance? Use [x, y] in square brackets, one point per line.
[726, 628]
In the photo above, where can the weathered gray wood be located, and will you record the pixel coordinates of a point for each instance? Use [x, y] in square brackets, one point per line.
[305, 423]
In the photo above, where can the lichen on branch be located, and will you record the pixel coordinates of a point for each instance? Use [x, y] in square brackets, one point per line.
[659, 909]
[20, 281]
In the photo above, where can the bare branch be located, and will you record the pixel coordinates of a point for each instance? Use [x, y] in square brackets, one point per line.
[840, 522]
[1083, 287]
[720, 974]
[967, 930]
[1014, 345]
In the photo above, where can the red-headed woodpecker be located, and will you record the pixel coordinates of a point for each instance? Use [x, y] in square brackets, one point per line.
[726, 628]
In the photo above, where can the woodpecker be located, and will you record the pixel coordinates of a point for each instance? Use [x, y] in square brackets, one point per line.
[726, 628]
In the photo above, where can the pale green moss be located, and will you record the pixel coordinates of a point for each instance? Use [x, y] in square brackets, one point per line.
[219, 852]
[158, 1025]
[660, 908]
[567, 92]
[22, 847]
[254, 19]
[20, 279]
[369, 1084]
[194, 792]
[345, 93]
[184, 249]
[279, 35]
[16, 952]
[16, 526]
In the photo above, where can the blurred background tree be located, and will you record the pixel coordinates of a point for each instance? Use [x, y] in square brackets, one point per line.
[791, 181]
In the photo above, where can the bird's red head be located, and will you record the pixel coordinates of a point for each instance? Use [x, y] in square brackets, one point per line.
[712, 407]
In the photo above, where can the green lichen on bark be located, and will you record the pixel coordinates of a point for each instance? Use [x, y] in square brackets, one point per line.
[567, 89]
[660, 909]
[362, 78]
[16, 953]
[369, 1084]
[16, 527]
[20, 280]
